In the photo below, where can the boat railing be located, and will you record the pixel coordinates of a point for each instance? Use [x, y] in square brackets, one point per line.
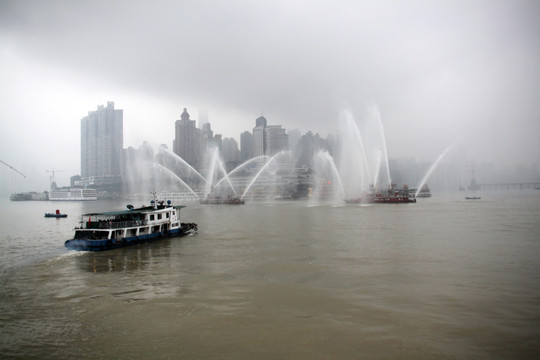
[104, 224]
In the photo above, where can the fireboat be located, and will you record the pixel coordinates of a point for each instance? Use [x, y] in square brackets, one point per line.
[387, 196]
[218, 200]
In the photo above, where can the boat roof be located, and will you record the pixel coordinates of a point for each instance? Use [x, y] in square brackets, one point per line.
[132, 211]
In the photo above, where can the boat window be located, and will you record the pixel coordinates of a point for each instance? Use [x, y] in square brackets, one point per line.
[159, 216]
[82, 234]
[152, 217]
[92, 235]
[167, 215]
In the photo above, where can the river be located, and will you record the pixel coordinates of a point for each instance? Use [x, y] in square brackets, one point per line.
[443, 278]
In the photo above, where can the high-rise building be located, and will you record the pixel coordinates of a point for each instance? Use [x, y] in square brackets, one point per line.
[246, 146]
[187, 140]
[259, 137]
[268, 139]
[102, 142]
[261, 121]
[231, 154]
[294, 137]
[276, 139]
[209, 142]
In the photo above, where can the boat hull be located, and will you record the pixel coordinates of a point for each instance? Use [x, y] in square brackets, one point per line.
[381, 200]
[222, 202]
[109, 244]
[56, 215]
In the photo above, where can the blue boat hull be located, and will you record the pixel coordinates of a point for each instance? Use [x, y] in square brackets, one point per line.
[109, 244]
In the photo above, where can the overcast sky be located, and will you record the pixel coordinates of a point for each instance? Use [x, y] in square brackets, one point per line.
[437, 70]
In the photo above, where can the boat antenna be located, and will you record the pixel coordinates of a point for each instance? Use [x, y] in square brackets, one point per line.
[12, 168]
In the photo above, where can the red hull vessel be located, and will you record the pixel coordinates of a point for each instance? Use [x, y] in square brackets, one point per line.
[392, 196]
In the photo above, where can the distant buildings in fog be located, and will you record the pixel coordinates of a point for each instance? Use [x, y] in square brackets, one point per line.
[102, 151]
[194, 145]
[187, 139]
[102, 145]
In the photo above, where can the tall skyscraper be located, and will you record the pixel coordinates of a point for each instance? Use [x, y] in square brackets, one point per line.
[209, 142]
[187, 140]
[259, 137]
[268, 139]
[246, 146]
[230, 152]
[102, 142]
[276, 139]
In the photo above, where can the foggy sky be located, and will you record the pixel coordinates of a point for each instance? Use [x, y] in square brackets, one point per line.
[437, 70]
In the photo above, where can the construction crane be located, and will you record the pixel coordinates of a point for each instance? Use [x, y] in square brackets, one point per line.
[12, 168]
[52, 174]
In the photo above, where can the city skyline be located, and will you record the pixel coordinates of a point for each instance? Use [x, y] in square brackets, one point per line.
[436, 71]
[204, 127]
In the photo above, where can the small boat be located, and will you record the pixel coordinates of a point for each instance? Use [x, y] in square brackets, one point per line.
[56, 214]
[474, 186]
[114, 229]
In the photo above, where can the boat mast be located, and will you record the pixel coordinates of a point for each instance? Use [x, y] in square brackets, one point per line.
[154, 201]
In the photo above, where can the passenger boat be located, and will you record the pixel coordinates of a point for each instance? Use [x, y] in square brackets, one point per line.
[56, 214]
[110, 230]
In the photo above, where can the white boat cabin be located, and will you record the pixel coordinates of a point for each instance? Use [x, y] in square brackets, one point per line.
[129, 223]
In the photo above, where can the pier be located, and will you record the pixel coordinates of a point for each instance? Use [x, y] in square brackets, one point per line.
[511, 186]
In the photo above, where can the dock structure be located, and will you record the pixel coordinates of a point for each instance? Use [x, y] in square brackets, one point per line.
[511, 186]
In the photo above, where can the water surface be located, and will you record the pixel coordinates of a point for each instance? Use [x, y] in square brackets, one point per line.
[442, 278]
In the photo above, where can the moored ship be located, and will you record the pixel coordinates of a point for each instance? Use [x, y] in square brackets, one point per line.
[114, 229]
[73, 194]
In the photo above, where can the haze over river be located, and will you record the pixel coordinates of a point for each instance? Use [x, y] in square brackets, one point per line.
[444, 278]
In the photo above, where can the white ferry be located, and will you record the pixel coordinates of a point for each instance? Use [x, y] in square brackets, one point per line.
[73, 194]
[110, 230]
[424, 191]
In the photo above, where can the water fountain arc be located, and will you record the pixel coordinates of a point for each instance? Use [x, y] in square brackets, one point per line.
[178, 158]
[434, 165]
[176, 177]
[260, 157]
[261, 171]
